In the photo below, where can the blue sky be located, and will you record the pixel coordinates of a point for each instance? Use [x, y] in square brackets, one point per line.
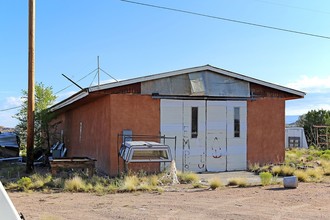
[134, 40]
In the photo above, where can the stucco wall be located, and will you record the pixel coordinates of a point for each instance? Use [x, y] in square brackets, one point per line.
[87, 131]
[266, 130]
[139, 113]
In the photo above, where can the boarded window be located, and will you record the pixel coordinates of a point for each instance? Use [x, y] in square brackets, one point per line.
[237, 122]
[194, 122]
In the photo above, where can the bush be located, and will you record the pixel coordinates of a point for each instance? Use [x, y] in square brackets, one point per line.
[266, 178]
[301, 175]
[76, 184]
[240, 182]
[315, 174]
[276, 170]
[215, 183]
[130, 183]
[188, 177]
[24, 183]
[287, 170]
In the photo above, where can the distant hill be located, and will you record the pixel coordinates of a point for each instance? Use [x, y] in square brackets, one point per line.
[4, 129]
[290, 119]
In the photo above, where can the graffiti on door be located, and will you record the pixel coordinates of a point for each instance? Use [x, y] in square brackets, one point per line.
[216, 148]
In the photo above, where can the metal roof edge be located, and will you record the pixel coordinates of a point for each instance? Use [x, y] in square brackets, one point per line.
[257, 81]
[75, 97]
[85, 92]
[196, 69]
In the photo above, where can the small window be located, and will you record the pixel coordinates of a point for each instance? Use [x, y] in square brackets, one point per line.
[194, 122]
[237, 122]
[149, 154]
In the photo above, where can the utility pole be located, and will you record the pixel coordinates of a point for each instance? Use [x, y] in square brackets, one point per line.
[31, 107]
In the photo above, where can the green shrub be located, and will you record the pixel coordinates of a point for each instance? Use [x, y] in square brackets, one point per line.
[325, 156]
[24, 183]
[266, 178]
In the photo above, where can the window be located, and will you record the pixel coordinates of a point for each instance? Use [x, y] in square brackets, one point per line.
[236, 122]
[149, 154]
[194, 122]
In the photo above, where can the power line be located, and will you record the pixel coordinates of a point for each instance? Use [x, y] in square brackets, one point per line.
[7, 109]
[228, 19]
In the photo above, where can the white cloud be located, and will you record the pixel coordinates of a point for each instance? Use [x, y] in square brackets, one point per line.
[314, 84]
[13, 101]
[312, 101]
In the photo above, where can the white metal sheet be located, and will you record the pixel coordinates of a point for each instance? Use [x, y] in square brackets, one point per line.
[236, 146]
[216, 136]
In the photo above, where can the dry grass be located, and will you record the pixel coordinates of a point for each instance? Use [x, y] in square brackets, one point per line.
[301, 175]
[76, 184]
[315, 175]
[287, 170]
[188, 177]
[276, 170]
[130, 183]
[239, 181]
[215, 183]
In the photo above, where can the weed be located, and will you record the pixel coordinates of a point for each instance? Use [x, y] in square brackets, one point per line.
[24, 183]
[254, 167]
[197, 185]
[326, 167]
[265, 178]
[76, 184]
[240, 182]
[215, 183]
[276, 170]
[287, 170]
[153, 180]
[188, 177]
[301, 175]
[315, 174]
[130, 183]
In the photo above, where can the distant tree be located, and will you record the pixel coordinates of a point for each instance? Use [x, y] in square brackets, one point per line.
[44, 98]
[311, 118]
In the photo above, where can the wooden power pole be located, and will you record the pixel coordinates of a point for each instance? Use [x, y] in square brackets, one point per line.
[31, 107]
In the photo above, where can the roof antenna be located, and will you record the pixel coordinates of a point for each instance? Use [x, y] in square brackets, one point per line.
[73, 82]
[98, 71]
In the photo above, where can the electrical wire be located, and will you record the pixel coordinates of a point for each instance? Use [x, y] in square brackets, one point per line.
[77, 81]
[228, 19]
[7, 109]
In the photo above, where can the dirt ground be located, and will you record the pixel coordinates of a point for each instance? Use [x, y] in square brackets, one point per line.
[308, 201]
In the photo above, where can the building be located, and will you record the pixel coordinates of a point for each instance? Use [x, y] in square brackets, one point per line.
[222, 120]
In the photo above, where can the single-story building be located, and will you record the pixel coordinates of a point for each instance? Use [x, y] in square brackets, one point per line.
[222, 120]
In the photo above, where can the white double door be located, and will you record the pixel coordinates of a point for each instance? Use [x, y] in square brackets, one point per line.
[211, 135]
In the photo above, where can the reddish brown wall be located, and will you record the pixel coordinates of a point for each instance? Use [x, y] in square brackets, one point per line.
[266, 130]
[102, 120]
[95, 133]
[139, 113]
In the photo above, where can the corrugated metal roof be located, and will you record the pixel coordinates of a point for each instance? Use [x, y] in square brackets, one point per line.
[85, 92]
[196, 69]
